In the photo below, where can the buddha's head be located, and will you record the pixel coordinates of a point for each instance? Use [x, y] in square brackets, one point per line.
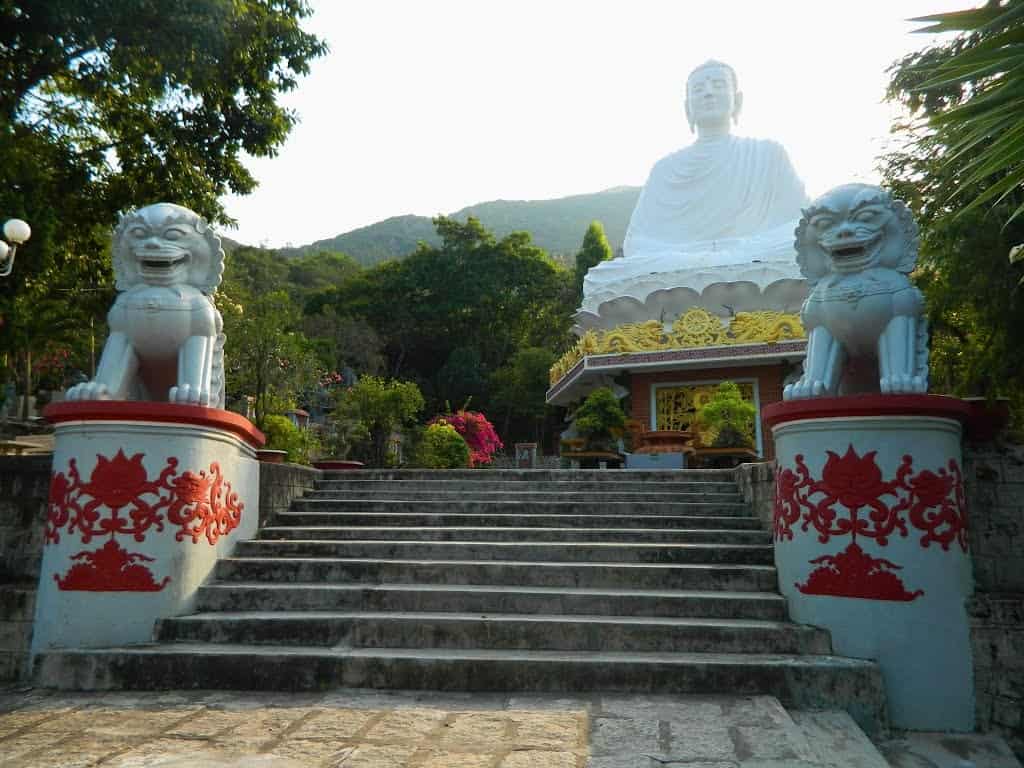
[713, 98]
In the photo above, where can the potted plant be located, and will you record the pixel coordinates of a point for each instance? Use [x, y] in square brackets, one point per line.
[729, 416]
[600, 420]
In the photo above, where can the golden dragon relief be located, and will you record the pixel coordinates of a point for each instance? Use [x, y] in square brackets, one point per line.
[695, 328]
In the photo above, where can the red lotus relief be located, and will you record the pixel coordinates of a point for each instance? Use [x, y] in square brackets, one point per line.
[110, 569]
[854, 481]
[116, 482]
[119, 499]
[853, 498]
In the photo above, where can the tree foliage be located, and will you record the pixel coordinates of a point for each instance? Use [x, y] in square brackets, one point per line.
[474, 293]
[265, 355]
[595, 249]
[152, 100]
[974, 305]
[976, 87]
[380, 407]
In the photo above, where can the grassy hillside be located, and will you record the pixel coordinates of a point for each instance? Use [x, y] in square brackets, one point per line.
[557, 226]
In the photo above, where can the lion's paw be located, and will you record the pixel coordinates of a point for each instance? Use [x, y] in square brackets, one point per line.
[88, 390]
[902, 383]
[803, 389]
[186, 394]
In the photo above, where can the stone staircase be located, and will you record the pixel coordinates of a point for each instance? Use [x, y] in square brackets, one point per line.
[502, 580]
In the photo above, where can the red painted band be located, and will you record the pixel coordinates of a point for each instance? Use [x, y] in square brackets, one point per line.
[937, 406]
[165, 413]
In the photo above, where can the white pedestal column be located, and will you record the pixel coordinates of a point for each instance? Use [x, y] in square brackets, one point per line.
[870, 528]
[144, 498]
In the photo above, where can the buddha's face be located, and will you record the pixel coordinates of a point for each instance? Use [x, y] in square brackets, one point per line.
[711, 97]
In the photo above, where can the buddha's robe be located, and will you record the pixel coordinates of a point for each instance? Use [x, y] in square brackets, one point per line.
[721, 201]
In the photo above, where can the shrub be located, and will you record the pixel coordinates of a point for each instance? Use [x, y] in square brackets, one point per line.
[478, 432]
[283, 435]
[442, 447]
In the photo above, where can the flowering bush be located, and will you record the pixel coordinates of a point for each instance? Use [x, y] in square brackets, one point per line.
[478, 433]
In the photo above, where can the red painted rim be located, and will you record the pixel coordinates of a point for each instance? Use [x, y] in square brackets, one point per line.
[165, 413]
[939, 406]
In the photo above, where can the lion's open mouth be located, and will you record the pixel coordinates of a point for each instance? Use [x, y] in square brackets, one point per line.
[853, 256]
[164, 263]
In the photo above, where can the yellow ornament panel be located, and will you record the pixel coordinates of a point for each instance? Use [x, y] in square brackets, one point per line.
[694, 328]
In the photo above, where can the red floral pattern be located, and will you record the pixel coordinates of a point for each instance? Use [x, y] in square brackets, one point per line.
[932, 502]
[853, 498]
[854, 573]
[204, 505]
[119, 499]
[110, 569]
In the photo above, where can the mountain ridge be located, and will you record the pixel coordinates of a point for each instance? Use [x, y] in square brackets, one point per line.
[557, 225]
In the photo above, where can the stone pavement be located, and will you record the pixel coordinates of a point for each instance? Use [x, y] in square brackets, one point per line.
[380, 729]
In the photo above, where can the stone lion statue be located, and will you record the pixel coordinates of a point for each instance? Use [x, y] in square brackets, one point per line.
[866, 332]
[165, 340]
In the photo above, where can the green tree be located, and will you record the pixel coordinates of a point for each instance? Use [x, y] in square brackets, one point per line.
[974, 305]
[595, 249]
[472, 291]
[519, 388]
[152, 100]
[380, 406]
[345, 342]
[265, 356]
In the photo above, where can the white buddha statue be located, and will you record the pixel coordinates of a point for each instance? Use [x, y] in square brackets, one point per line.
[722, 209]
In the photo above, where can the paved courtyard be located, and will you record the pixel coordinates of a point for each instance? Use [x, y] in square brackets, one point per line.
[372, 729]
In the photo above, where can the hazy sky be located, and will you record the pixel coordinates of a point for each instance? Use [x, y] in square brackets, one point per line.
[426, 107]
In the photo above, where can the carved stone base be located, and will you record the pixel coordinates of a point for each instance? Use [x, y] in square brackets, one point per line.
[144, 498]
[870, 528]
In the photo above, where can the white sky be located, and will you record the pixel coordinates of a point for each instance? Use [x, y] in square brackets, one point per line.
[428, 106]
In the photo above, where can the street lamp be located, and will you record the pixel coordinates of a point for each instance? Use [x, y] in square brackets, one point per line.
[17, 232]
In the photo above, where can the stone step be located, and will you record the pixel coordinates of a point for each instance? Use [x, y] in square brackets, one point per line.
[522, 632]
[504, 506]
[487, 493]
[799, 681]
[572, 476]
[515, 534]
[525, 486]
[256, 596]
[565, 552]
[441, 519]
[596, 575]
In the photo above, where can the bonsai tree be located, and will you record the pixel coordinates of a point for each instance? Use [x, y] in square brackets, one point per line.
[600, 419]
[730, 416]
